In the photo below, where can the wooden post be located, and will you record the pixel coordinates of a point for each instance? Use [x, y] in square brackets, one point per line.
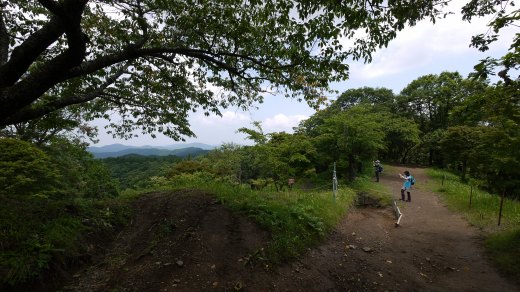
[500, 211]
[470, 195]
[443, 178]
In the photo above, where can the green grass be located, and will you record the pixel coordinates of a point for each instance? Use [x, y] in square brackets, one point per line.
[483, 212]
[504, 247]
[503, 242]
[367, 185]
[297, 219]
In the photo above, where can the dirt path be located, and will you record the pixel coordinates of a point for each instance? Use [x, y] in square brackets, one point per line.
[189, 242]
[434, 249]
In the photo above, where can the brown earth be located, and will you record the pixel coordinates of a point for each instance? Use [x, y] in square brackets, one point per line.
[188, 241]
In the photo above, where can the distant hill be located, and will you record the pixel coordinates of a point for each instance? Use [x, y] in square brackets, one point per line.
[187, 145]
[109, 148]
[183, 152]
[121, 147]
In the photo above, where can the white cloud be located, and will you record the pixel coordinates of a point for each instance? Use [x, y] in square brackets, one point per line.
[423, 45]
[228, 118]
[391, 61]
[282, 123]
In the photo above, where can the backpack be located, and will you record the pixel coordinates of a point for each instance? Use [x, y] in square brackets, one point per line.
[412, 180]
[380, 168]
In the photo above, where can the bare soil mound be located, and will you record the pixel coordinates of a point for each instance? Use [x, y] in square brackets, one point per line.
[187, 241]
[183, 241]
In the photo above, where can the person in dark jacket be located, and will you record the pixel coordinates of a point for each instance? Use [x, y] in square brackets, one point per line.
[377, 169]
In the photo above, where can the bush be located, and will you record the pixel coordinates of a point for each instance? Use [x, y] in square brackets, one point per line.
[25, 170]
[81, 174]
[40, 233]
[51, 201]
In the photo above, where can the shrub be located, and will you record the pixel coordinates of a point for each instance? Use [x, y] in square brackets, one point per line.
[25, 170]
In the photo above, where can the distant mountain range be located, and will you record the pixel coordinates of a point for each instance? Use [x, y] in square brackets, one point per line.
[181, 150]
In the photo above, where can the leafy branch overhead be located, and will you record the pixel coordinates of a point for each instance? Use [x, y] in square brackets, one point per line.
[154, 61]
[505, 14]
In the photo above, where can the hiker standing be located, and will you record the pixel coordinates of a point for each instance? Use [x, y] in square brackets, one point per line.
[377, 169]
[407, 185]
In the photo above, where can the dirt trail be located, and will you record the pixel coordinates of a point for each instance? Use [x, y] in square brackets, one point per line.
[434, 249]
[189, 242]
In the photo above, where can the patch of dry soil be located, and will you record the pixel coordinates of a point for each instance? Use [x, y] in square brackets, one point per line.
[434, 249]
[187, 241]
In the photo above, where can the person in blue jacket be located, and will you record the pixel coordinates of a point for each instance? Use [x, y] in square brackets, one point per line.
[407, 185]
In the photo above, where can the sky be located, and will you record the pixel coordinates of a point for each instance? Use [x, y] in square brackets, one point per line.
[417, 51]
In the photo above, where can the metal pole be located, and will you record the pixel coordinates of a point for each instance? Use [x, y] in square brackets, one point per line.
[500, 211]
[334, 183]
[470, 195]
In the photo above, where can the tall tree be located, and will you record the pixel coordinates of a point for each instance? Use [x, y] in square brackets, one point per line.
[430, 99]
[401, 133]
[499, 145]
[256, 135]
[366, 95]
[459, 145]
[26, 170]
[226, 162]
[401, 136]
[352, 136]
[154, 61]
[278, 156]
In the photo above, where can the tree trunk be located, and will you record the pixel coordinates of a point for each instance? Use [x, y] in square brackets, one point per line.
[351, 168]
[430, 157]
[405, 156]
[463, 170]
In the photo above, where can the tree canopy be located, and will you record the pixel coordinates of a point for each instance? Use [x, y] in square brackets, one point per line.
[154, 61]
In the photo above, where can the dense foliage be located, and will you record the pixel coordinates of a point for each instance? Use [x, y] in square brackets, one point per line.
[136, 171]
[464, 124]
[53, 199]
[26, 170]
[153, 62]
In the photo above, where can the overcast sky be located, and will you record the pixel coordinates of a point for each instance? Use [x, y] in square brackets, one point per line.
[417, 51]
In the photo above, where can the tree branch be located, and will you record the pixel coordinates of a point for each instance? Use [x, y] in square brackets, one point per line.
[68, 65]
[165, 58]
[4, 37]
[36, 112]
[52, 6]
[29, 89]
[25, 54]
[117, 100]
